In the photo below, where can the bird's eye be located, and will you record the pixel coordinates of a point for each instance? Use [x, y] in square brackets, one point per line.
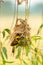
[18, 39]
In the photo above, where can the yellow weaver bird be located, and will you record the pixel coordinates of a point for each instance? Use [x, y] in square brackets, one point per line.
[16, 41]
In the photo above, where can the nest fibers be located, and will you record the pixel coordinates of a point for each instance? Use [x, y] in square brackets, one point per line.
[22, 29]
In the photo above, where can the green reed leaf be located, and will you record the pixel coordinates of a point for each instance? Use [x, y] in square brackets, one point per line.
[9, 62]
[8, 31]
[42, 59]
[5, 52]
[25, 63]
[0, 46]
[35, 61]
[2, 56]
[3, 33]
[41, 26]
[35, 37]
[27, 49]
[19, 52]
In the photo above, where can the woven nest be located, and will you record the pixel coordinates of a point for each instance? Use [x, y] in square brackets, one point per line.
[22, 29]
